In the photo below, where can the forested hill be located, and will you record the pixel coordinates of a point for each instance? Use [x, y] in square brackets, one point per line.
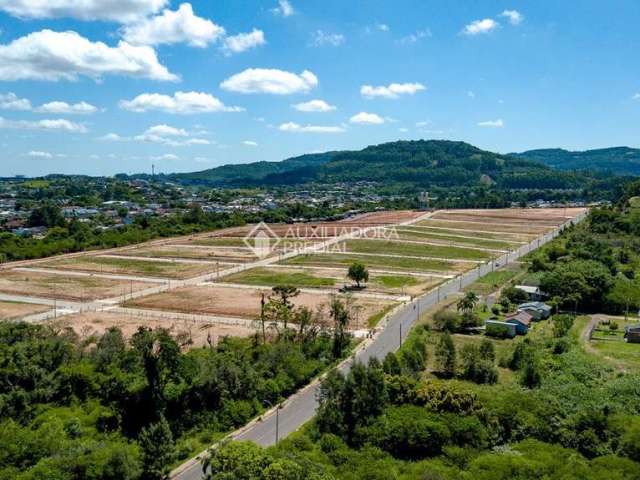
[617, 160]
[422, 163]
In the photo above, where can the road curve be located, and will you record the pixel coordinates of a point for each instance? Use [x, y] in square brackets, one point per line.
[301, 406]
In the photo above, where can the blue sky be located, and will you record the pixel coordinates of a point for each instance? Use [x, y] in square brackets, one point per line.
[117, 86]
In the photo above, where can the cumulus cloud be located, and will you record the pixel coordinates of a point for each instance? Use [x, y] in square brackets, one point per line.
[243, 41]
[394, 90]
[39, 154]
[478, 27]
[314, 106]
[54, 124]
[514, 17]
[116, 10]
[180, 103]
[295, 128]
[321, 39]
[272, 81]
[180, 26]
[170, 136]
[112, 137]
[81, 108]
[250, 143]
[10, 101]
[367, 118]
[49, 55]
[284, 8]
[492, 123]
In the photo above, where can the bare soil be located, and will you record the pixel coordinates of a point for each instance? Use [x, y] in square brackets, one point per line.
[51, 285]
[14, 310]
[89, 324]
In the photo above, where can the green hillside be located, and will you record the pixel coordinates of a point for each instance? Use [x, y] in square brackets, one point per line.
[422, 163]
[617, 160]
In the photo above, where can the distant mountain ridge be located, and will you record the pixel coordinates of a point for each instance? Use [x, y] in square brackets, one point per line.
[617, 160]
[418, 163]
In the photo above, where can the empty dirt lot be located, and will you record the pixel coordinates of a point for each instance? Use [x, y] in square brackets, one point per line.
[49, 285]
[13, 310]
[228, 301]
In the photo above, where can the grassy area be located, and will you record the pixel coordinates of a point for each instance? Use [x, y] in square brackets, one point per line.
[374, 319]
[474, 233]
[414, 234]
[401, 263]
[272, 277]
[127, 266]
[492, 281]
[396, 281]
[414, 249]
[219, 242]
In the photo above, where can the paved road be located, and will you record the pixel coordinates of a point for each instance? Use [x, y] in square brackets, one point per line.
[301, 407]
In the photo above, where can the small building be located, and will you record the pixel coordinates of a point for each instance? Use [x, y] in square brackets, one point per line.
[632, 333]
[538, 310]
[495, 328]
[522, 320]
[534, 293]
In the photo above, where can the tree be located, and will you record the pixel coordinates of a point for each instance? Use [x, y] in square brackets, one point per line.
[391, 365]
[446, 355]
[48, 215]
[531, 374]
[280, 305]
[156, 442]
[487, 350]
[625, 292]
[341, 316]
[358, 273]
[467, 303]
[476, 367]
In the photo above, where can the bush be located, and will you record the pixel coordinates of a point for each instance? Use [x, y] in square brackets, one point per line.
[447, 320]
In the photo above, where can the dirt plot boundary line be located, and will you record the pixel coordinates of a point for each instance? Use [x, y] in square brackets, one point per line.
[496, 224]
[315, 291]
[371, 270]
[436, 244]
[441, 259]
[413, 229]
[195, 261]
[81, 273]
[480, 232]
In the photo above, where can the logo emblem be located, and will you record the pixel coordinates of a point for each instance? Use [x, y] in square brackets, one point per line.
[261, 240]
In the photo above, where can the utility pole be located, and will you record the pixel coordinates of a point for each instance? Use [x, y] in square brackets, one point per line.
[400, 333]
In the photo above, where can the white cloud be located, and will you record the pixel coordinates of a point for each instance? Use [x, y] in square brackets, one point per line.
[166, 156]
[273, 81]
[480, 26]
[321, 39]
[515, 17]
[112, 137]
[166, 130]
[250, 143]
[49, 55]
[295, 128]
[116, 10]
[66, 108]
[403, 130]
[284, 8]
[636, 96]
[180, 103]
[383, 27]
[180, 26]
[368, 118]
[492, 123]
[170, 136]
[424, 123]
[416, 36]
[314, 106]
[243, 41]
[39, 154]
[393, 90]
[471, 94]
[11, 101]
[55, 124]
